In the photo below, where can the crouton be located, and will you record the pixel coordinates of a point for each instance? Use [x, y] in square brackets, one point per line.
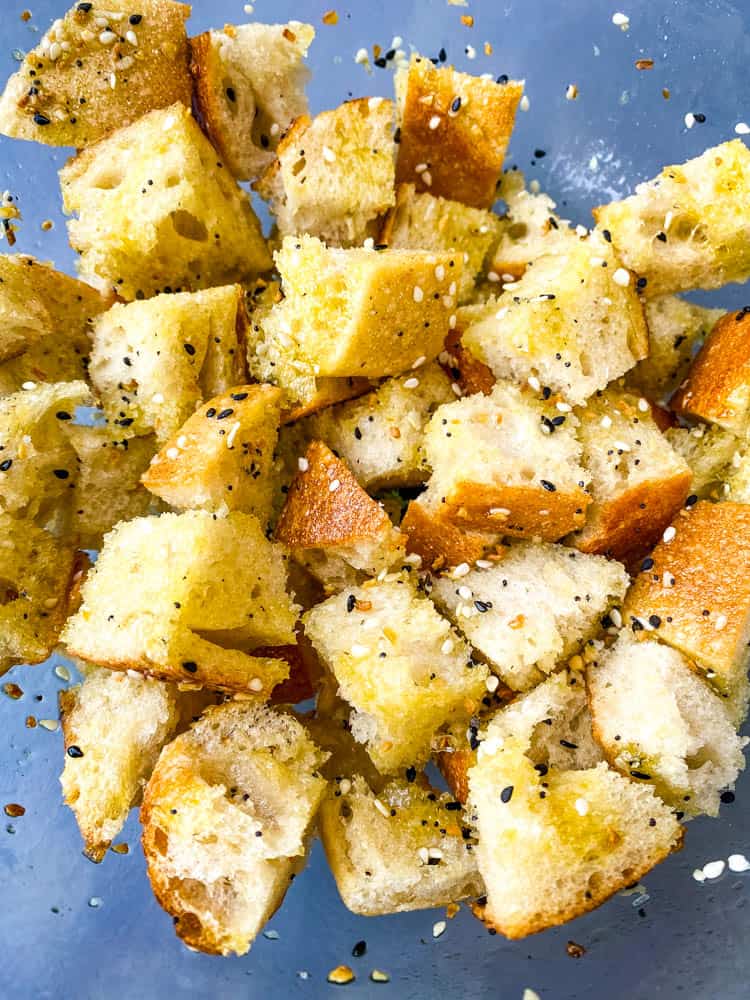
[333, 176]
[711, 453]
[658, 722]
[153, 362]
[249, 87]
[425, 678]
[226, 822]
[97, 70]
[638, 481]
[222, 455]
[495, 469]
[338, 532]
[401, 849]
[467, 373]
[454, 131]
[440, 544]
[184, 597]
[529, 612]
[192, 228]
[570, 323]
[687, 227]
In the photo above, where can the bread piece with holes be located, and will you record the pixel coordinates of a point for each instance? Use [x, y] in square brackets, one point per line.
[85, 79]
[574, 322]
[658, 722]
[687, 228]
[249, 87]
[529, 612]
[440, 544]
[227, 817]
[399, 664]
[333, 176]
[222, 456]
[711, 453]
[506, 463]
[454, 129]
[638, 481]
[189, 225]
[187, 597]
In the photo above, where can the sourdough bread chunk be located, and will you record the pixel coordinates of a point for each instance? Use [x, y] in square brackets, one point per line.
[185, 597]
[638, 481]
[189, 225]
[153, 362]
[333, 176]
[424, 679]
[440, 544]
[226, 819]
[507, 463]
[401, 849]
[711, 453]
[570, 323]
[455, 130]
[222, 456]
[687, 228]
[526, 614]
[80, 82]
[657, 721]
[249, 87]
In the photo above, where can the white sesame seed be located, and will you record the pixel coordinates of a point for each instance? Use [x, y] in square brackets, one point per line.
[51, 725]
[621, 20]
[698, 875]
[440, 272]
[714, 869]
[738, 863]
[621, 277]
[434, 122]
[616, 617]
[107, 37]
[606, 421]
[130, 36]
[411, 383]
[525, 103]
[256, 684]
[361, 57]
[529, 994]
[492, 683]
[461, 570]
[668, 580]
[471, 52]
[438, 928]
[720, 623]
[328, 154]
[594, 162]
[419, 362]
[55, 51]
[493, 276]
[452, 322]
[426, 177]
[173, 453]
[345, 786]
[302, 464]
[424, 855]
[369, 243]
[669, 534]
[29, 385]
[465, 592]
[563, 407]
[383, 810]
[435, 853]
[581, 807]
[418, 294]
[508, 279]
[534, 382]
[643, 405]
[447, 647]
[181, 441]
[483, 564]
[333, 485]
[742, 128]
[581, 231]
[230, 436]
[62, 672]
[621, 446]
[359, 651]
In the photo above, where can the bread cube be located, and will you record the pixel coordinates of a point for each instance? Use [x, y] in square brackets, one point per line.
[85, 79]
[249, 87]
[189, 225]
[687, 227]
[468, 373]
[440, 544]
[333, 176]
[401, 667]
[570, 323]
[506, 463]
[658, 722]
[185, 597]
[638, 481]
[212, 463]
[153, 362]
[711, 452]
[226, 818]
[530, 611]
[454, 131]
[402, 849]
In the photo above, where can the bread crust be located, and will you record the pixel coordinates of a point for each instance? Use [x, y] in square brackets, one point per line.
[468, 372]
[439, 543]
[523, 511]
[329, 391]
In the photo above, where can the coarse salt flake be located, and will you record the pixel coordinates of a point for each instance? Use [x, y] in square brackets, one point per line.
[621, 20]
[738, 863]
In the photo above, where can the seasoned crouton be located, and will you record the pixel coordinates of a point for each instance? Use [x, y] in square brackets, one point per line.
[184, 597]
[83, 81]
[333, 176]
[468, 374]
[192, 228]
[711, 453]
[454, 130]
[529, 612]
[658, 722]
[440, 544]
[687, 228]
[425, 679]
[226, 819]
[249, 87]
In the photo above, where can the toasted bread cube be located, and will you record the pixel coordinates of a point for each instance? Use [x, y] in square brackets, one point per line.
[687, 228]
[153, 362]
[455, 130]
[658, 722]
[424, 222]
[569, 323]
[333, 527]
[469, 375]
[192, 228]
[711, 452]
[226, 818]
[184, 597]
[495, 469]
[401, 849]
[694, 591]
[333, 176]
[440, 544]
[212, 463]
[675, 330]
[425, 679]
[529, 612]
[76, 86]
[638, 481]
[249, 87]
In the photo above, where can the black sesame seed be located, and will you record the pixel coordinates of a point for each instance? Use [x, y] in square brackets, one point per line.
[63, 415]
[350, 603]
[700, 118]
[136, 18]
[506, 794]
[411, 774]
[442, 55]
[654, 621]
[75, 751]
[189, 349]
[230, 92]
[40, 119]
[239, 396]
[727, 797]
[641, 775]
[691, 500]
[358, 433]
[359, 949]
[4, 466]
[210, 412]
[541, 768]
[380, 63]
[84, 7]
[607, 235]
[548, 486]
[641, 282]
[60, 473]
[452, 806]
[503, 78]
[482, 606]
[190, 666]
[224, 414]
[568, 745]
[662, 237]
[647, 564]
[540, 153]
[456, 104]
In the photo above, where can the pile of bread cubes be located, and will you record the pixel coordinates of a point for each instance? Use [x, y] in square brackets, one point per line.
[477, 483]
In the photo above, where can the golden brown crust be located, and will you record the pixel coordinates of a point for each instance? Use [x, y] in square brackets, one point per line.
[523, 511]
[328, 392]
[204, 97]
[94, 848]
[454, 766]
[438, 542]
[305, 671]
[663, 418]
[265, 183]
[469, 373]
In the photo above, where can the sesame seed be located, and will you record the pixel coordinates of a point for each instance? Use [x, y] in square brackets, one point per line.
[643, 405]
[698, 875]
[302, 464]
[738, 863]
[689, 119]
[418, 294]
[621, 277]
[621, 20]
[334, 485]
[669, 534]
[525, 103]
[130, 36]
[419, 362]
[461, 570]
[383, 810]
[492, 683]
[107, 37]
[438, 928]
[507, 794]
[439, 272]
[720, 623]
[465, 593]
[328, 154]
[581, 807]
[714, 869]
[172, 454]
[256, 684]
[378, 976]
[411, 383]
[447, 647]
[361, 57]
[434, 122]
[534, 382]
[742, 128]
